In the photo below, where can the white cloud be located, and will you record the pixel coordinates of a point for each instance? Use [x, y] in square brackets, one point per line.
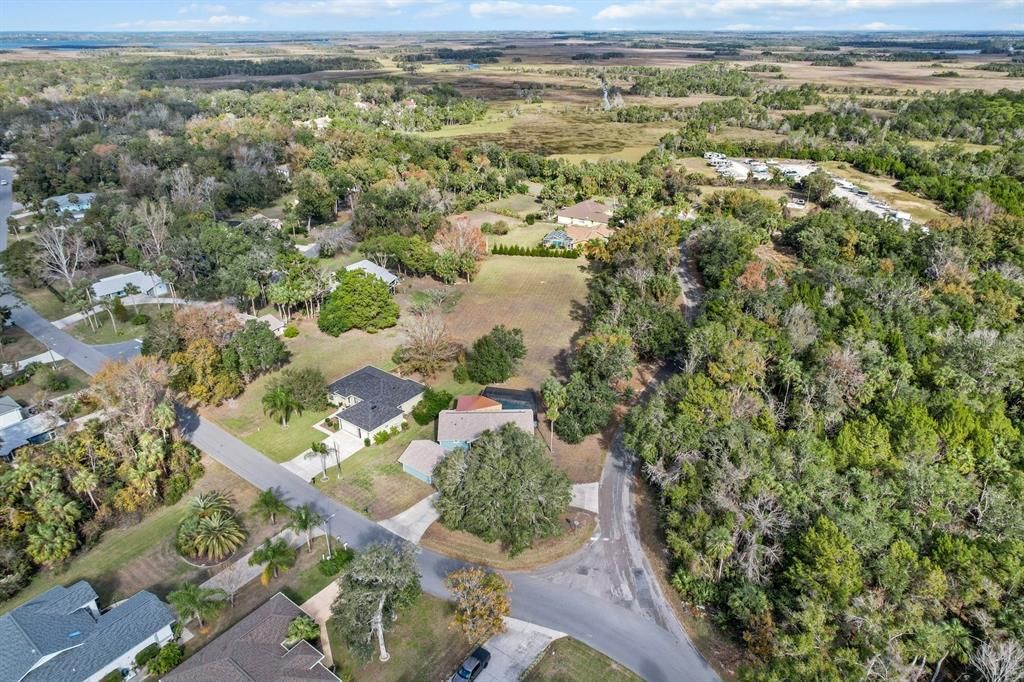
[507, 8]
[646, 9]
[214, 21]
[741, 27]
[350, 8]
[880, 26]
[202, 9]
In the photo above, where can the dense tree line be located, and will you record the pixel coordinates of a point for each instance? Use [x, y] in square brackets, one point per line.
[172, 68]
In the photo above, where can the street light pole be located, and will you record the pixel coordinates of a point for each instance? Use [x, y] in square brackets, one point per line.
[327, 532]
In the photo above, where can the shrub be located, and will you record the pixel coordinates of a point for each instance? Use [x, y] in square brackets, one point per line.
[500, 227]
[433, 402]
[333, 566]
[460, 374]
[140, 319]
[113, 676]
[168, 658]
[534, 251]
[495, 357]
[175, 488]
[52, 381]
[366, 442]
[147, 654]
[381, 437]
[291, 331]
[531, 218]
[121, 313]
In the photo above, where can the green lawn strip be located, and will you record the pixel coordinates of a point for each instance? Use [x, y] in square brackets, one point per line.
[100, 563]
[569, 660]
[422, 644]
[106, 333]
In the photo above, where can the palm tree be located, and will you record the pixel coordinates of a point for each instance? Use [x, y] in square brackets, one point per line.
[205, 504]
[302, 628]
[164, 418]
[275, 556]
[86, 482]
[268, 505]
[192, 601]
[720, 545]
[319, 450]
[304, 520]
[109, 304]
[50, 543]
[132, 290]
[217, 536]
[279, 402]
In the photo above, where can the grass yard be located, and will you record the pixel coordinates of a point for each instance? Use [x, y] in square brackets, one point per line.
[335, 357]
[542, 296]
[32, 392]
[462, 545]
[43, 301]
[17, 344]
[570, 660]
[523, 235]
[372, 481]
[126, 331]
[422, 644]
[141, 556]
[518, 203]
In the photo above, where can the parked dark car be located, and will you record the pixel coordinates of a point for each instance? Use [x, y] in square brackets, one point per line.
[473, 666]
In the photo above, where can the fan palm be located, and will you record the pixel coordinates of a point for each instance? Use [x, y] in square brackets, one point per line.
[50, 543]
[304, 520]
[164, 418]
[268, 505]
[86, 482]
[302, 628]
[275, 556]
[217, 536]
[192, 601]
[205, 504]
[279, 402]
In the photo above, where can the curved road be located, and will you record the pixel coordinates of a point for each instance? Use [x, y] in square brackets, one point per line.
[633, 638]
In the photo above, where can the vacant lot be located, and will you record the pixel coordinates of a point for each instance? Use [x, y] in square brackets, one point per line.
[541, 296]
[106, 332]
[141, 555]
[569, 660]
[578, 527]
[422, 644]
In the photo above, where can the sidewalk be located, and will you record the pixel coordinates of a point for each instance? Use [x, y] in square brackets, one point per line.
[239, 574]
[65, 322]
[318, 607]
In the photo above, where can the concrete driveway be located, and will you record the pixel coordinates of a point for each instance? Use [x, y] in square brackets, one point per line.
[414, 521]
[515, 650]
[344, 444]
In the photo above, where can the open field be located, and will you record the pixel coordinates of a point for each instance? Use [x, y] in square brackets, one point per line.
[523, 235]
[541, 296]
[423, 646]
[141, 555]
[462, 545]
[921, 209]
[570, 660]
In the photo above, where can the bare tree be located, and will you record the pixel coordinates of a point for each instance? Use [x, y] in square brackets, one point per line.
[999, 661]
[64, 251]
[188, 193]
[429, 346]
[153, 220]
[333, 239]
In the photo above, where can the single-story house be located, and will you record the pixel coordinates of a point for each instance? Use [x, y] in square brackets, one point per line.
[77, 208]
[62, 636]
[458, 429]
[114, 286]
[372, 401]
[254, 650]
[18, 430]
[557, 240]
[420, 458]
[377, 271]
[587, 213]
[276, 324]
[476, 403]
[511, 398]
[10, 411]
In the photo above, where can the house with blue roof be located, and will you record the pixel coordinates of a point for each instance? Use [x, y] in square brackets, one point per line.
[62, 636]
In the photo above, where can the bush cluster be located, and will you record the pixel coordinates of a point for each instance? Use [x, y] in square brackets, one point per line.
[536, 251]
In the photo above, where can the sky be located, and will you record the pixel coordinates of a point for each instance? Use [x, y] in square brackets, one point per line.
[511, 15]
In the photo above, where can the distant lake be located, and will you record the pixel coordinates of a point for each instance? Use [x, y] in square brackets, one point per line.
[93, 41]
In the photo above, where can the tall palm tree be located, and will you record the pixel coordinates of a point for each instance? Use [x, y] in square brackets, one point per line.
[268, 505]
[205, 504]
[217, 536]
[304, 520]
[720, 544]
[279, 402]
[164, 418]
[275, 556]
[192, 601]
[319, 450]
[86, 482]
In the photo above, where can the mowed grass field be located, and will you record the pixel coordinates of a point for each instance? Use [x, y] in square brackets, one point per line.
[570, 660]
[541, 296]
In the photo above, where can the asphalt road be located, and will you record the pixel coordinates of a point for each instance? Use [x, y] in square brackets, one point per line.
[6, 200]
[632, 638]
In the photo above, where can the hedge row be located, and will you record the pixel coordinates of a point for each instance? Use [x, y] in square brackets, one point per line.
[536, 251]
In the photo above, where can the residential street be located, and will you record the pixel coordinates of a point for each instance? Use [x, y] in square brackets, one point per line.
[631, 629]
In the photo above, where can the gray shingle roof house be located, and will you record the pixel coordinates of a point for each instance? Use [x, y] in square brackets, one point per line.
[372, 399]
[458, 429]
[253, 650]
[61, 636]
[377, 271]
[420, 458]
[65, 205]
[32, 430]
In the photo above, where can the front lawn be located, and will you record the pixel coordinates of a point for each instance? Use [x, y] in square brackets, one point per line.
[106, 332]
[422, 644]
[570, 660]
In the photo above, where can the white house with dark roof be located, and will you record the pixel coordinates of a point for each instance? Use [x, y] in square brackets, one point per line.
[371, 401]
[62, 636]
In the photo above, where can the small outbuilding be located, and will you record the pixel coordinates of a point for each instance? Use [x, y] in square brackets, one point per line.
[383, 274]
[420, 458]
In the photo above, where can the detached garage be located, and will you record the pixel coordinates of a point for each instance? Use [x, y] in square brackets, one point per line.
[420, 458]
